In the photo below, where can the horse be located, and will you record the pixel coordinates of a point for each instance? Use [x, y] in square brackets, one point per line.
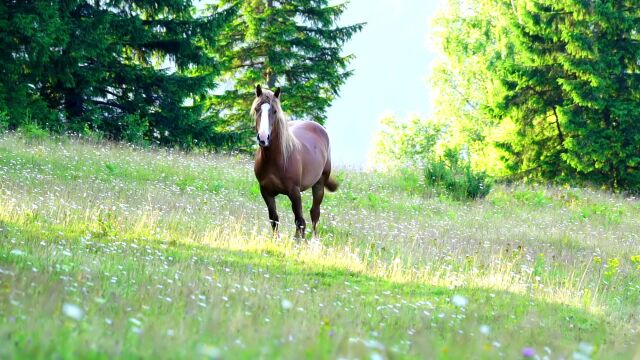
[292, 157]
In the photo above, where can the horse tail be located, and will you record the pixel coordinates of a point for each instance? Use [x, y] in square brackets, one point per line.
[331, 184]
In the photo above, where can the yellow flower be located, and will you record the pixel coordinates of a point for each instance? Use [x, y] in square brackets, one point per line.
[613, 263]
[326, 322]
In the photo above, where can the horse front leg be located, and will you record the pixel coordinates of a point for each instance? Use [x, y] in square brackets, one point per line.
[270, 200]
[296, 206]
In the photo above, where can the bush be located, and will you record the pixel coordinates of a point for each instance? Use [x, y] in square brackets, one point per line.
[456, 178]
[4, 121]
[31, 130]
[402, 143]
[134, 128]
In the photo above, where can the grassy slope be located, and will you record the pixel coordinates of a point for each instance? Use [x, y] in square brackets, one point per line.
[168, 255]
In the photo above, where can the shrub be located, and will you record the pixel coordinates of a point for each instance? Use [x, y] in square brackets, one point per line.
[4, 121]
[133, 128]
[31, 130]
[405, 143]
[455, 177]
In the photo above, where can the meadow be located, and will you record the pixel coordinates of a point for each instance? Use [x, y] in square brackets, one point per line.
[113, 251]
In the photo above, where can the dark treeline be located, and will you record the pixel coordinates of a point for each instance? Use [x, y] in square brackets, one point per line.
[150, 71]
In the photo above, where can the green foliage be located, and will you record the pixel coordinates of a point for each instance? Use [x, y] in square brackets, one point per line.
[131, 70]
[30, 128]
[539, 265]
[146, 71]
[4, 120]
[611, 270]
[454, 176]
[532, 198]
[294, 44]
[559, 80]
[406, 143]
[33, 131]
[465, 83]
[133, 128]
[403, 145]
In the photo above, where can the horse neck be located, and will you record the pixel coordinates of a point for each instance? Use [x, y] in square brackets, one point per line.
[274, 153]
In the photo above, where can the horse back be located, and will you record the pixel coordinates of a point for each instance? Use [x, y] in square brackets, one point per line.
[310, 133]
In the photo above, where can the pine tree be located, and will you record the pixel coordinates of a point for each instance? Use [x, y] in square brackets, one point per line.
[131, 69]
[29, 34]
[294, 44]
[531, 96]
[559, 78]
[574, 89]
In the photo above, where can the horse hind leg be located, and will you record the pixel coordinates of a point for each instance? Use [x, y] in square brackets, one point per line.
[318, 196]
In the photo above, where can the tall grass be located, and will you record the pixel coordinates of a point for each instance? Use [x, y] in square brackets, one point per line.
[109, 250]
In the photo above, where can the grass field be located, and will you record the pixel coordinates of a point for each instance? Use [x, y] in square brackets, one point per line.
[111, 251]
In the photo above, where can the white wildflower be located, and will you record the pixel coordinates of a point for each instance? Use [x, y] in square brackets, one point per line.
[73, 311]
[209, 351]
[459, 301]
[585, 348]
[286, 304]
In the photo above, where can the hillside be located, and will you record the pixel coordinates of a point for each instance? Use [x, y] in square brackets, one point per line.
[108, 250]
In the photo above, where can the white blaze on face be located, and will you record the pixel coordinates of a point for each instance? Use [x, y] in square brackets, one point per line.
[264, 131]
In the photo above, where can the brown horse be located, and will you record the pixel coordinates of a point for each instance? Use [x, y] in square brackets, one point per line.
[293, 156]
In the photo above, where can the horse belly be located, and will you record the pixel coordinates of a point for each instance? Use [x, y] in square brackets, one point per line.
[310, 179]
[314, 152]
[313, 169]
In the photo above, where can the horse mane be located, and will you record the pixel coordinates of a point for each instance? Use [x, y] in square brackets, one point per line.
[288, 142]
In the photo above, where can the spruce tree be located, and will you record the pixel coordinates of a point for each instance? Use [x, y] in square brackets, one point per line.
[293, 44]
[131, 69]
[531, 96]
[560, 85]
[30, 32]
[573, 90]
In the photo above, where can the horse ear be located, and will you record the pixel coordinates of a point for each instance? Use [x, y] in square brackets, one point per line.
[277, 93]
[258, 90]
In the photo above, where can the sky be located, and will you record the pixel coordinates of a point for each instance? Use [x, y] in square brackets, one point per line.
[391, 71]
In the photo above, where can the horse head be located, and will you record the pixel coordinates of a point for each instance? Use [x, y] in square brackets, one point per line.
[266, 110]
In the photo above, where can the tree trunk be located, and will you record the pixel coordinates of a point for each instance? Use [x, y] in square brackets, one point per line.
[560, 134]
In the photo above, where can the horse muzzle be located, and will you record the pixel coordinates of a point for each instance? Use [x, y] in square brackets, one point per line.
[264, 143]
